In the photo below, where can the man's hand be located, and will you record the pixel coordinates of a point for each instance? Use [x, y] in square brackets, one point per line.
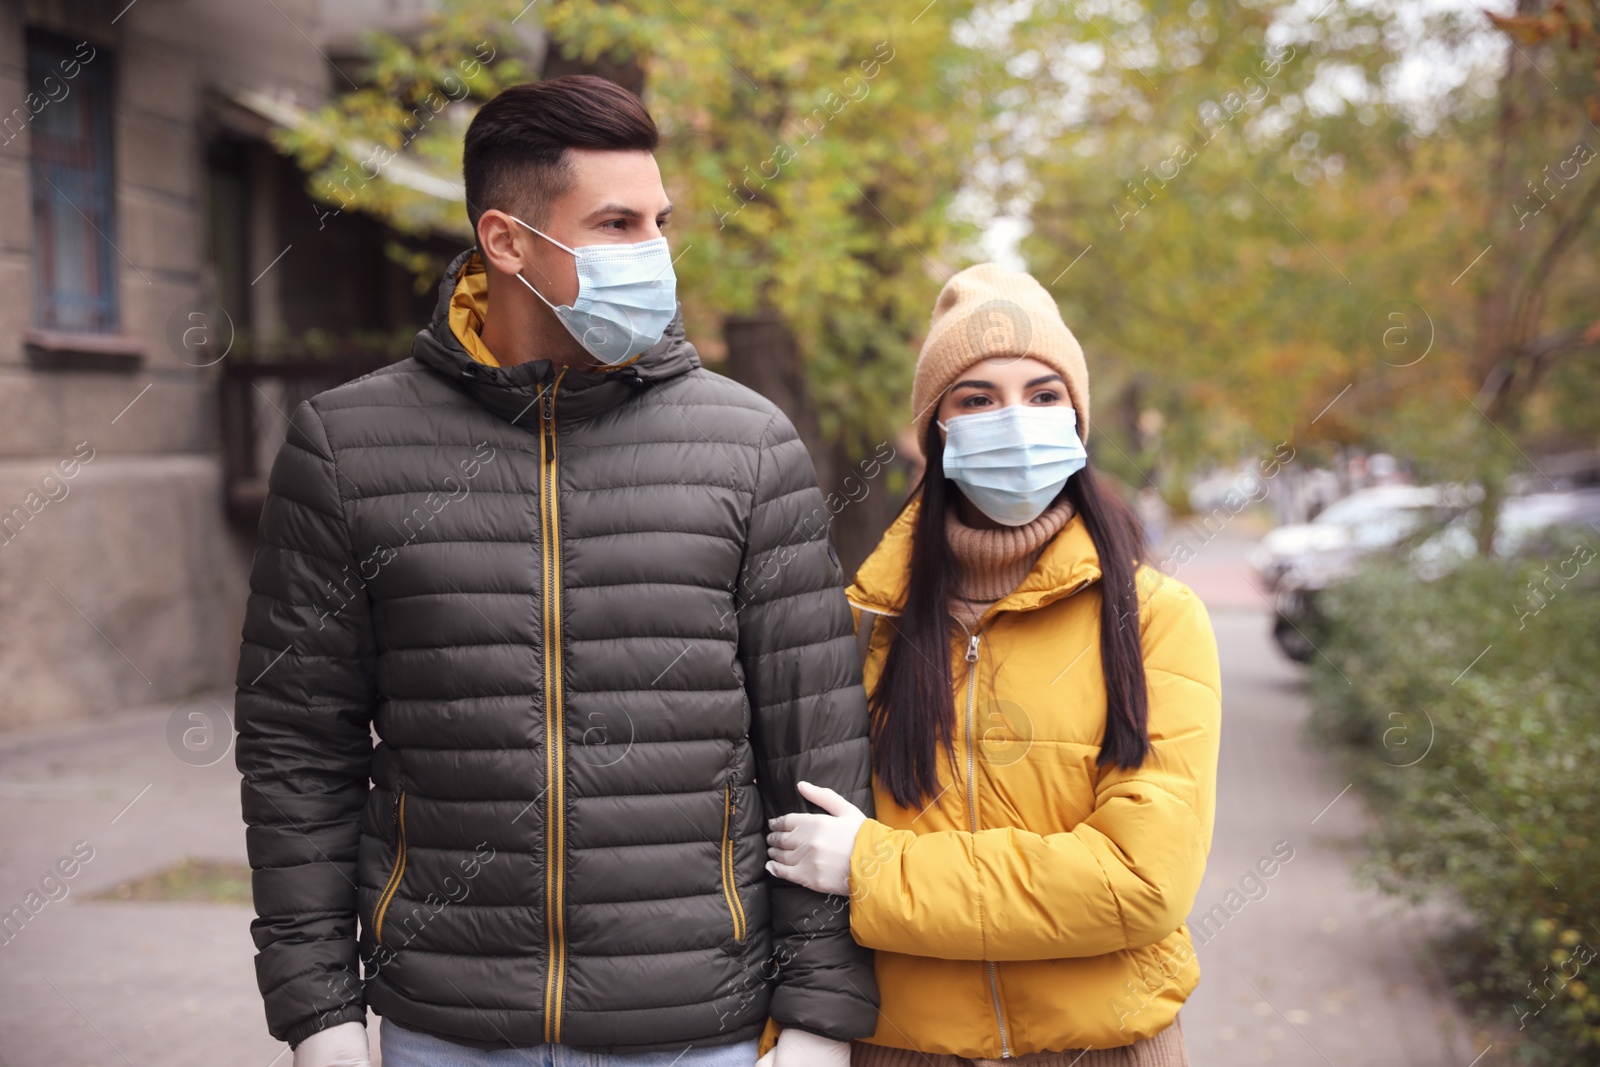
[344, 1045]
[801, 1048]
[814, 850]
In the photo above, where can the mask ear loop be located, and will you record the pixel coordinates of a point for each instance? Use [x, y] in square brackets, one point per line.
[553, 241]
[541, 233]
[937, 401]
[534, 291]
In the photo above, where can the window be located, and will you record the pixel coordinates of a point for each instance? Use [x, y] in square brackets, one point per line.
[74, 195]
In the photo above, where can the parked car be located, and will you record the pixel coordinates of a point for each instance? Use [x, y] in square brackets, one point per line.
[1364, 521]
[1434, 526]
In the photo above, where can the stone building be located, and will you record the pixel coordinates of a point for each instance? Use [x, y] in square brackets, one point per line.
[146, 225]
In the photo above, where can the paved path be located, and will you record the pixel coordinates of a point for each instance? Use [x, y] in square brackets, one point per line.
[1305, 967]
[1314, 971]
[89, 983]
[1310, 969]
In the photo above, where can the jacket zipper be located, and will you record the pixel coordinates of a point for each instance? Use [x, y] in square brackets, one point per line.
[555, 785]
[972, 821]
[730, 887]
[393, 884]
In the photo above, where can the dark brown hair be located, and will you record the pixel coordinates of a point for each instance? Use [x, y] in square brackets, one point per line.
[515, 155]
[913, 708]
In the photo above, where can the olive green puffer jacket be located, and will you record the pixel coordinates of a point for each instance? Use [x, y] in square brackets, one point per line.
[600, 633]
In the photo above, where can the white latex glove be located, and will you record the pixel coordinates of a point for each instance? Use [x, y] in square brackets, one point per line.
[814, 850]
[344, 1045]
[802, 1048]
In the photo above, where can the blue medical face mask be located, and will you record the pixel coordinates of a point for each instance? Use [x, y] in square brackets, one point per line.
[627, 295]
[1012, 462]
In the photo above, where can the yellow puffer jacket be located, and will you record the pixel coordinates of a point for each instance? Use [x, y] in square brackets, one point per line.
[1038, 902]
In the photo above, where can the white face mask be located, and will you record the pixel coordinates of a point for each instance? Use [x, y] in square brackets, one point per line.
[1012, 462]
[627, 296]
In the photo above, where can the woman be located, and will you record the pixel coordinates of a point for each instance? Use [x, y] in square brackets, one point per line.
[1046, 712]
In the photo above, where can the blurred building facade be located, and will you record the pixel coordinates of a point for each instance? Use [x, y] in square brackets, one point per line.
[147, 224]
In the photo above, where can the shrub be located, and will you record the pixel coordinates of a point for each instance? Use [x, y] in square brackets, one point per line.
[1468, 707]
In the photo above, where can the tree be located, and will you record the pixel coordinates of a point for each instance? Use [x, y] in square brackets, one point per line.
[391, 146]
[1271, 229]
[1544, 195]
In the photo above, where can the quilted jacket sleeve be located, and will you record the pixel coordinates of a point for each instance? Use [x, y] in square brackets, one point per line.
[1124, 877]
[303, 711]
[808, 723]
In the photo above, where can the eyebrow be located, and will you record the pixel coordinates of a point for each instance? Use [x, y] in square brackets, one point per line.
[973, 383]
[625, 211]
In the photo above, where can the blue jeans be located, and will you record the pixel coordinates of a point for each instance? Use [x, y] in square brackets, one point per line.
[408, 1048]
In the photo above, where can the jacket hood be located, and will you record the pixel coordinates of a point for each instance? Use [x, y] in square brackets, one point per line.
[449, 345]
[1068, 562]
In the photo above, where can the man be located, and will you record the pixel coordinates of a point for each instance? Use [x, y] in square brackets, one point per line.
[582, 588]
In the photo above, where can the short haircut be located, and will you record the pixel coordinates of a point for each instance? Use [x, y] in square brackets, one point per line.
[515, 156]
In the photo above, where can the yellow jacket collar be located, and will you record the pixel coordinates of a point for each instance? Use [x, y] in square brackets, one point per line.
[468, 306]
[1067, 563]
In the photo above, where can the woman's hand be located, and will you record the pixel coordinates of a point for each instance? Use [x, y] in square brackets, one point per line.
[801, 1048]
[344, 1045]
[814, 850]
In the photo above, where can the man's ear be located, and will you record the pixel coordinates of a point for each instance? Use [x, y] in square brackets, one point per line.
[496, 231]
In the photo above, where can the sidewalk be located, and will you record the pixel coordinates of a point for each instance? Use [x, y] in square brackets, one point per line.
[1304, 967]
[94, 983]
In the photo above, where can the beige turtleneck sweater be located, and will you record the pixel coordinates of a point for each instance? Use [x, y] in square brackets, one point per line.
[991, 563]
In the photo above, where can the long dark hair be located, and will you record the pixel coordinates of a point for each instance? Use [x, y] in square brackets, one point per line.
[913, 710]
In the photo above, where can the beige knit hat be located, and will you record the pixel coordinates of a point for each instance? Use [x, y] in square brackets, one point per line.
[987, 311]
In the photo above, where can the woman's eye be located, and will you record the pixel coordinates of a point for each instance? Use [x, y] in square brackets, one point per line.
[1046, 397]
[977, 401]
[662, 224]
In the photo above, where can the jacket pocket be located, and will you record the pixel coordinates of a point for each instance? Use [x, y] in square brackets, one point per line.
[393, 884]
[730, 887]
